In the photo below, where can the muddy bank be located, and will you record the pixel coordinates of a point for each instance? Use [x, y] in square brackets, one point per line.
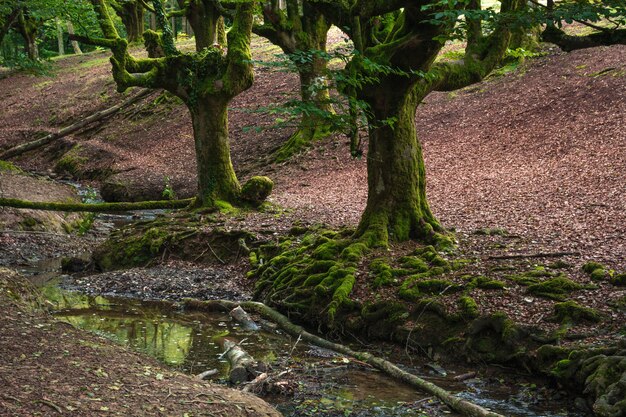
[59, 369]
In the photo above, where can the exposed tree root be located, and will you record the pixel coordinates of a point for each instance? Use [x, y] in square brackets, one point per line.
[457, 404]
[95, 208]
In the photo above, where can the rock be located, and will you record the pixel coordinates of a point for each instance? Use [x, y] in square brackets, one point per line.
[256, 190]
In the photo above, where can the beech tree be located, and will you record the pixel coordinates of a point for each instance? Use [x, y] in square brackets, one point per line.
[300, 31]
[396, 45]
[131, 12]
[206, 80]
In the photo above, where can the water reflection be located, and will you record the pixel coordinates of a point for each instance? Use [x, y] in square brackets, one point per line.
[185, 341]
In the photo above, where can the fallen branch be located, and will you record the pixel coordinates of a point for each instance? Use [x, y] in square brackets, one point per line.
[206, 374]
[95, 208]
[455, 403]
[536, 255]
[242, 366]
[29, 146]
[239, 315]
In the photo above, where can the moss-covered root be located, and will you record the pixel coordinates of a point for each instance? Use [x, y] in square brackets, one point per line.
[459, 405]
[95, 208]
[300, 140]
[310, 276]
[601, 375]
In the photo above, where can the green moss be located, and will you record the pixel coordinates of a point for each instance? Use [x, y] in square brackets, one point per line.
[382, 272]
[591, 266]
[483, 282]
[72, 162]
[619, 280]
[354, 252]
[254, 260]
[468, 307]
[414, 263]
[29, 223]
[256, 190]
[570, 311]
[487, 231]
[7, 166]
[598, 274]
[554, 288]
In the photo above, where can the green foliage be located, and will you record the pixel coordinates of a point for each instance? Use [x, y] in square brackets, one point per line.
[168, 192]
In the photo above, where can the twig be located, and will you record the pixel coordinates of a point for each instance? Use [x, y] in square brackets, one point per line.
[215, 254]
[52, 405]
[535, 255]
[295, 344]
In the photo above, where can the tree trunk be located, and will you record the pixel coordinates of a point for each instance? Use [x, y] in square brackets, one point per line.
[397, 208]
[132, 18]
[75, 46]
[216, 176]
[312, 127]
[60, 43]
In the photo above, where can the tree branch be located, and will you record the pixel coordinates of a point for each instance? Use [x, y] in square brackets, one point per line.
[95, 208]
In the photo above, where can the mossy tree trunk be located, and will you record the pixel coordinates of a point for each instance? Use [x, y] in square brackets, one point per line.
[397, 208]
[131, 13]
[406, 45]
[28, 27]
[203, 17]
[298, 28]
[206, 81]
[216, 176]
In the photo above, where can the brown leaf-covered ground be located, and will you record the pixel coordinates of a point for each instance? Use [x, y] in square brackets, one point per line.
[539, 153]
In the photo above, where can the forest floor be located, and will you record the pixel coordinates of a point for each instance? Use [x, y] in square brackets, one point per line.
[536, 154]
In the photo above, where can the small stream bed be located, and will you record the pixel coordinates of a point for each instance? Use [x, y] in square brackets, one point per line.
[319, 382]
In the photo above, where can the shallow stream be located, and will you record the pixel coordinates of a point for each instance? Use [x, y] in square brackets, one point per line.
[328, 385]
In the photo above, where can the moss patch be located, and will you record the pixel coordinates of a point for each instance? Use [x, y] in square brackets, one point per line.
[619, 280]
[554, 288]
[572, 312]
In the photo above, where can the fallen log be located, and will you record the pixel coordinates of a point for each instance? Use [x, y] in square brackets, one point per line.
[29, 146]
[240, 316]
[243, 367]
[457, 404]
[95, 208]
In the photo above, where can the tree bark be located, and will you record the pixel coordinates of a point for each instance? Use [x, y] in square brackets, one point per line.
[60, 42]
[242, 366]
[397, 208]
[216, 176]
[75, 46]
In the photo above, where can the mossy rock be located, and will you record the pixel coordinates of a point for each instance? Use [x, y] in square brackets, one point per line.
[619, 280]
[414, 263]
[554, 288]
[572, 312]
[256, 190]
